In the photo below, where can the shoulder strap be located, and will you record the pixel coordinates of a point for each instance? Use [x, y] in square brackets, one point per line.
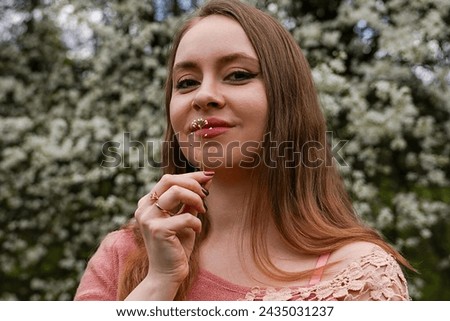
[318, 270]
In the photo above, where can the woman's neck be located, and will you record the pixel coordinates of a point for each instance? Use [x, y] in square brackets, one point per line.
[228, 200]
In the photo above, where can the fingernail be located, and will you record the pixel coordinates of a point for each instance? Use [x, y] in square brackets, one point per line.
[205, 191]
[209, 173]
[206, 207]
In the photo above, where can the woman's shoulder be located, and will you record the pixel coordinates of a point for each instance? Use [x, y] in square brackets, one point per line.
[357, 271]
[370, 259]
[100, 278]
[351, 252]
[365, 271]
[112, 252]
[119, 239]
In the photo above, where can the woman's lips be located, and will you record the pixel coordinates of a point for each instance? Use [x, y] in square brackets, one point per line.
[212, 128]
[210, 132]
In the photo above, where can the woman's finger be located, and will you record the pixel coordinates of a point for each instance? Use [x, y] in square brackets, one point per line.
[177, 196]
[165, 229]
[170, 202]
[191, 181]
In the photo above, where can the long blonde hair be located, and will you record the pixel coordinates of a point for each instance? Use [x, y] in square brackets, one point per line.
[308, 202]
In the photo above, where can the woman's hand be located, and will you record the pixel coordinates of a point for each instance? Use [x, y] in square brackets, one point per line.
[168, 221]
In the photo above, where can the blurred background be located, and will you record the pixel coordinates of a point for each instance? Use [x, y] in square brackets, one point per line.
[81, 120]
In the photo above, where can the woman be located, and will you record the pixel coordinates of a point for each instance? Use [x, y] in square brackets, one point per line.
[266, 216]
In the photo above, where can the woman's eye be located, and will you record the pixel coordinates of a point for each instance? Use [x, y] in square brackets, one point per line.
[241, 76]
[186, 83]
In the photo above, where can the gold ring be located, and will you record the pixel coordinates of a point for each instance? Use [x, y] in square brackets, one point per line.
[163, 210]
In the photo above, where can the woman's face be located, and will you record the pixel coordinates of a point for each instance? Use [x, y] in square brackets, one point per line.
[217, 78]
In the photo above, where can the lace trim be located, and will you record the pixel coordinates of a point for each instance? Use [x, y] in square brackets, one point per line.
[375, 276]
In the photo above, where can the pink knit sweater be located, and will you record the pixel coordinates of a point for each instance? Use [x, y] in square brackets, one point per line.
[375, 276]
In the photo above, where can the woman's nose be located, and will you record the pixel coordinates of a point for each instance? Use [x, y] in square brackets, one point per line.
[208, 96]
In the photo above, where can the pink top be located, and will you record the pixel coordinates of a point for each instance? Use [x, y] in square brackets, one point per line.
[375, 276]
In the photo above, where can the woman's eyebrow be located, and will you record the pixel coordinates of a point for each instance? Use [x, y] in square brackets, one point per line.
[185, 65]
[226, 59]
[236, 57]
